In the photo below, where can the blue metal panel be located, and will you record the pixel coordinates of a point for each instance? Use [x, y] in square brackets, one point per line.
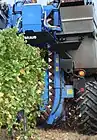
[31, 17]
[48, 9]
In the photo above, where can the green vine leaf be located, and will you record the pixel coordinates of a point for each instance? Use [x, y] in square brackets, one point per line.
[22, 72]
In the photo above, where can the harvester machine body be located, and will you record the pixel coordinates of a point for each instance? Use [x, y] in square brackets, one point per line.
[67, 29]
[79, 23]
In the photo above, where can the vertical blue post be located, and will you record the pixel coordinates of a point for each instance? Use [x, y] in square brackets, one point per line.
[57, 107]
[56, 82]
[57, 71]
[56, 18]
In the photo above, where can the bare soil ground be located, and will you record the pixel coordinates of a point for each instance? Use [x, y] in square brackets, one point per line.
[53, 134]
[58, 134]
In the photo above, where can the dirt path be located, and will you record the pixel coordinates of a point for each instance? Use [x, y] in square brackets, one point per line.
[51, 134]
[62, 135]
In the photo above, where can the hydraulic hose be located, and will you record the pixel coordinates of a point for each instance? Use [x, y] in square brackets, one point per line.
[18, 2]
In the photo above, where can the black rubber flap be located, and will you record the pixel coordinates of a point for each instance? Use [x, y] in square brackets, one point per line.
[39, 38]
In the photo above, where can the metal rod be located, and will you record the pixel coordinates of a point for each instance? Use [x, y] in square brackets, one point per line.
[77, 19]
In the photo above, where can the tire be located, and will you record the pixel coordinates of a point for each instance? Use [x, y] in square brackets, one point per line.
[87, 109]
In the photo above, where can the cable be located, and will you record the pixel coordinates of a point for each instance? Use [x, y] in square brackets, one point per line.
[46, 24]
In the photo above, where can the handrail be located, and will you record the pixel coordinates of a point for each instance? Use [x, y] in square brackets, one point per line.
[77, 19]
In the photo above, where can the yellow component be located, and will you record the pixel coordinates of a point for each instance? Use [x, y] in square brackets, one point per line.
[82, 73]
[22, 71]
[18, 138]
[57, 69]
[69, 91]
[1, 94]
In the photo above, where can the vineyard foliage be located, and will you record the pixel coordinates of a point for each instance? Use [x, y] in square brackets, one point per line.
[22, 71]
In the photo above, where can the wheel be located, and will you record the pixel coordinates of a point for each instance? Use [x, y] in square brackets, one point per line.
[87, 109]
